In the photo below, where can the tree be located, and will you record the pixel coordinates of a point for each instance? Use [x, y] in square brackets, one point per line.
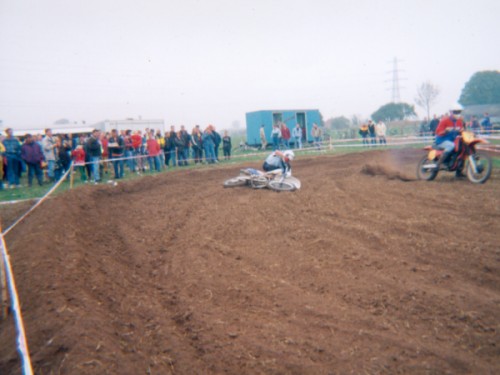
[339, 123]
[393, 112]
[482, 88]
[427, 94]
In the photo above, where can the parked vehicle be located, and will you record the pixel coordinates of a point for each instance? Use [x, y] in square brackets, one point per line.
[477, 164]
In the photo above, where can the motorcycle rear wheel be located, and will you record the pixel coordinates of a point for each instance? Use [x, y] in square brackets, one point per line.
[483, 168]
[426, 173]
[235, 181]
[281, 186]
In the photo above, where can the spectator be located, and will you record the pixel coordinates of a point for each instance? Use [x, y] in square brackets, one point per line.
[32, 154]
[185, 139]
[433, 125]
[217, 142]
[180, 144]
[209, 145]
[316, 134]
[474, 125]
[226, 145]
[166, 148]
[486, 124]
[285, 136]
[63, 157]
[263, 140]
[154, 150]
[422, 130]
[95, 153]
[371, 131]
[136, 139]
[13, 155]
[363, 132]
[381, 129]
[197, 144]
[297, 136]
[78, 156]
[116, 148]
[129, 150]
[105, 152]
[161, 142]
[275, 136]
[48, 146]
[170, 144]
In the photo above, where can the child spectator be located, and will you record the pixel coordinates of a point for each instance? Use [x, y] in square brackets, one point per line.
[78, 156]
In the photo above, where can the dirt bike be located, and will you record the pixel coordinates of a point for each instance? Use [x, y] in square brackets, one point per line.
[477, 164]
[274, 180]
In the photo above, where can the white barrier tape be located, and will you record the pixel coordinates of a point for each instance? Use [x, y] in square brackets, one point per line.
[18, 201]
[22, 344]
[491, 149]
[40, 201]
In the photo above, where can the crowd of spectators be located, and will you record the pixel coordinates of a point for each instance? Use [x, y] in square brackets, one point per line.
[371, 133]
[48, 157]
[483, 127]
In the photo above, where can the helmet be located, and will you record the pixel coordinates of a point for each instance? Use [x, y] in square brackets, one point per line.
[456, 110]
[289, 154]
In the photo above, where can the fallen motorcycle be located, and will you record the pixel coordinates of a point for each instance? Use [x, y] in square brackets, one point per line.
[477, 164]
[274, 180]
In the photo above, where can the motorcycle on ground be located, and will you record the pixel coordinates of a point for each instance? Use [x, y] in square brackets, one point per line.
[477, 164]
[274, 180]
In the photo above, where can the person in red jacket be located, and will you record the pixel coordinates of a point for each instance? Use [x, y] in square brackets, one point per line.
[448, 129]
[285, 136]
[78, 156]
[154, 150]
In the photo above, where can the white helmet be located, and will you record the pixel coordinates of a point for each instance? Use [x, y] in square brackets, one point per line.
[289, 154]
[456, 110]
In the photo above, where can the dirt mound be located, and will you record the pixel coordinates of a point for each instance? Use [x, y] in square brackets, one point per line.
[175, 274]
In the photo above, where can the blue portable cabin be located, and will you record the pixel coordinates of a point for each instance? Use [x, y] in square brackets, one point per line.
[305, 117]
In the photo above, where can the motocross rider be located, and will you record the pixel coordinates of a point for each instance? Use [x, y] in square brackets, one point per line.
[448, 129]
[279, 160]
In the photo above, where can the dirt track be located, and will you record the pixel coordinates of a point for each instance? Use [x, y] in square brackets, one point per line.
[364, 270]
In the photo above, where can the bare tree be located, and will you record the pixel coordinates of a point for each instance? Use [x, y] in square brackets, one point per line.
[427, 94]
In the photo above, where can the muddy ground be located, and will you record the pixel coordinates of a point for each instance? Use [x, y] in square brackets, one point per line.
[364, 270]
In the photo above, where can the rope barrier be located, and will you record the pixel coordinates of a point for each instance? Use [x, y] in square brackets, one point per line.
[22, 344]
[40, 201]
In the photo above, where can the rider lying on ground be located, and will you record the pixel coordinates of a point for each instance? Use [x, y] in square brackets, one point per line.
[279, 160]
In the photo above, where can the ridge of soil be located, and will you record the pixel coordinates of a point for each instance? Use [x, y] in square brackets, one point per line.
[363, 270]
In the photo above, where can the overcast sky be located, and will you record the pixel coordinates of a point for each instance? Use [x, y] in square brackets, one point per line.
[199, 62]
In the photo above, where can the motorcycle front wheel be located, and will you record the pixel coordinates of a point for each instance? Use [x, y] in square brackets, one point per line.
[235, 181]
[281, 186]
[481, 170]
[427, 169]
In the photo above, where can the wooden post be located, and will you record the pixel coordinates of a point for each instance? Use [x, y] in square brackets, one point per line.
[71, 177]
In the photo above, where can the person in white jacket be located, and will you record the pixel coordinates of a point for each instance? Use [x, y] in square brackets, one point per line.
[380, 130]
[297, 136]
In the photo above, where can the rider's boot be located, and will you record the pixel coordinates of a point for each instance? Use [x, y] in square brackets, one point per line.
[442, 159]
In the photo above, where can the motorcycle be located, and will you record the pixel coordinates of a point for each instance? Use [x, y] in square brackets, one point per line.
[274, 180]
[478, 165]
